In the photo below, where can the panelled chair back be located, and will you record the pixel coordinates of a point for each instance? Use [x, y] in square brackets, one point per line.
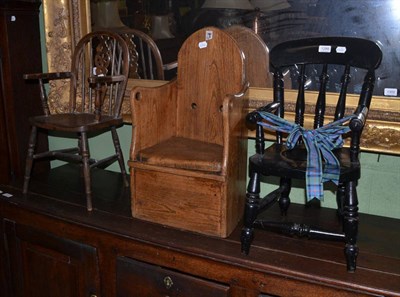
[314, 154]
[256, 53]
[98, 77]
[186, 162]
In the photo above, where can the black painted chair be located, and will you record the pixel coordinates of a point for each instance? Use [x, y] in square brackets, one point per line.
[316, 154]
[98, 79]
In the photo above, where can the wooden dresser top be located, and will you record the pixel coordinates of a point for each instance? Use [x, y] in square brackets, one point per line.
[282, 263]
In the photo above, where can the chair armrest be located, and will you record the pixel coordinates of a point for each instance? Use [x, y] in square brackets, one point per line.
[153, 115]
[106, 79]
[43, 78]
[234, 109]
[235, 130]
[170, 66]
[253, 117]
[357, 123]
[48, 76]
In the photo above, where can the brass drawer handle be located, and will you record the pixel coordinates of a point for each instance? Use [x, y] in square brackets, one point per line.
[168, 282]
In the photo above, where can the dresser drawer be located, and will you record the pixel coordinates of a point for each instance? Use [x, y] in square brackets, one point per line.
[136, 278]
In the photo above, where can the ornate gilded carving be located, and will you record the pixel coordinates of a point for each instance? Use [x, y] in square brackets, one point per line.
[378, 138]
[76, 22]
[63, 28]
[58, 45]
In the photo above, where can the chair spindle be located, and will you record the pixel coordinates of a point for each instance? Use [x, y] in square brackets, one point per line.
[321, 101]
[300, 102]
[341, 104]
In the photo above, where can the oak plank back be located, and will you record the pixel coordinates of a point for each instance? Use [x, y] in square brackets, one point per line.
[256, 56]
[200, 96]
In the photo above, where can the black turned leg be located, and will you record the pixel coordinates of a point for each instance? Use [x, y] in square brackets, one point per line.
[340, 196]
[284, 200]
[250, 211]
[120, 156]
[350, 225]
[29, 159]
[86, 170]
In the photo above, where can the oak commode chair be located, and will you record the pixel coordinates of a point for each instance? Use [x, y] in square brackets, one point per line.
[98, 77]
[188, 153]
[314, 154]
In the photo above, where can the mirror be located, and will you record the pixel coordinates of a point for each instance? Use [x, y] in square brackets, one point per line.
[170, 21]
[276, 21]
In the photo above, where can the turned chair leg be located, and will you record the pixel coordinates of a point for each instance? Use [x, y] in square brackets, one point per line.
[250, 212]
[120, 156]
[340, 197]
[350, 225]
[85, 154]
[284, 200]
[29, 159]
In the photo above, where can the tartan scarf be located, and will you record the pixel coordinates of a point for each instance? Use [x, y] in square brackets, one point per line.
[319, 144]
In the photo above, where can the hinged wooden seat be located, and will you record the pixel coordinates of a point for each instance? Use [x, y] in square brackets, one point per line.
[184, 153]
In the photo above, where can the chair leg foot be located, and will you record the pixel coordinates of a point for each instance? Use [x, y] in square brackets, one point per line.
[351, 253]
[26, 184]
[118, 151]
[29, 159]
[86, 170]
[350, 225]
[284, 200]
[250, 212]
[126, 181]
[284, 203]
[246, 238]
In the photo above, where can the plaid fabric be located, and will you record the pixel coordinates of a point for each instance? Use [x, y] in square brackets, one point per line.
[319, 144]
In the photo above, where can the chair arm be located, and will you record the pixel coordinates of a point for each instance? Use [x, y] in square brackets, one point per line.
[106, 79]
[48, 76]
[234, 109]
[242, 92]
[43, 78]
[170, 66]
[253, 117]
[235, 131]
[153, 115]
[357, 123]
